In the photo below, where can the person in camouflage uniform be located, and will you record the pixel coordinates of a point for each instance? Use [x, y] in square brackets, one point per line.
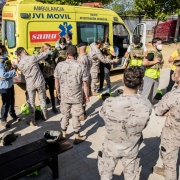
[109, 52]
[7, 72]
[169, 106]
[96, 56]
[84, 59]
[87, 63]
[59, 54]
[47, 67]
[70, 76]
[125, 118]
[34, 80]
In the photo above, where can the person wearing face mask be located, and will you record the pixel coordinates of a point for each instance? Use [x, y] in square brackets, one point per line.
[109, 52]
[59, 54]
[35, 81]
[96, 57]
[68, 37]
[7, 72]
[153, 63]
[47, 67]
[70, 76]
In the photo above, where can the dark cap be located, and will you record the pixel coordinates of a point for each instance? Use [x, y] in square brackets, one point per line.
[72, 50]
[81, 44]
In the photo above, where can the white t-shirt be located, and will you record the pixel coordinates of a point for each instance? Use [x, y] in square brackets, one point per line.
[129, 48]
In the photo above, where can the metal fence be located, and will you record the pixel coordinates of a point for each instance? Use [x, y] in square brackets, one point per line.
[132, 21]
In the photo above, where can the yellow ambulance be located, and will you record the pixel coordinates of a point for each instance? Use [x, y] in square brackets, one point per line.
[29, 24]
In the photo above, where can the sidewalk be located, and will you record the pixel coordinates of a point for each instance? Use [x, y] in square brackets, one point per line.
[80, 163]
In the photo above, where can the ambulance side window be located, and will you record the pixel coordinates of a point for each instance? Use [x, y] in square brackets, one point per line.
[121, 38]
[3, 31]
[90, 32]
[10, 34]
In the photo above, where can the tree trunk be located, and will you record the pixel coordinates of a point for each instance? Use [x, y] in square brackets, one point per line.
[155, 28]
[177, 29]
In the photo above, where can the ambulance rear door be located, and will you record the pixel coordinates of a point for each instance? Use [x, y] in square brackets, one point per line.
[139, 31]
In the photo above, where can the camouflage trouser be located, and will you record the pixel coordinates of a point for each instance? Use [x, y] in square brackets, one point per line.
[169, 154]
[94, 80]
[106, 166]
[31, 100]
[76, 110]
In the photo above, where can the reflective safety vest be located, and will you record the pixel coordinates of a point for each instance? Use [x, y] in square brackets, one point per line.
[154, 70]
[134, 59]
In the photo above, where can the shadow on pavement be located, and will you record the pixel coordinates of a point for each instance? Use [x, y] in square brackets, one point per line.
[149, 155]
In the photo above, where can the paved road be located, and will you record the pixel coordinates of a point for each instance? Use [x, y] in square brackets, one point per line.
[80, 163]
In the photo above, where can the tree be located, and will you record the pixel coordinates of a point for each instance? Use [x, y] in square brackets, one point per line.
[157, 9]
[122, 7]
[71, 2]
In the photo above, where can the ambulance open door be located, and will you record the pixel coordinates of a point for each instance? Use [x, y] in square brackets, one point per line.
[139, 31]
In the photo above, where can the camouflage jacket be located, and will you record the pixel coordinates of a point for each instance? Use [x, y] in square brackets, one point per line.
[136, 50]
[85, 61]
[156, 55]
[96, 56]
[31, 70]
[71, 75]
[125, 117]
[170, 104]
[47, 67]
[59, 54]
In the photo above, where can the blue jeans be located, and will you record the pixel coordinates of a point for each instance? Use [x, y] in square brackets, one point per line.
[7, 103]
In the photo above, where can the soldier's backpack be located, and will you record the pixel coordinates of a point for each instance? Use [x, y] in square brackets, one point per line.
[61, 55]
[8, 137]
[136, 50]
